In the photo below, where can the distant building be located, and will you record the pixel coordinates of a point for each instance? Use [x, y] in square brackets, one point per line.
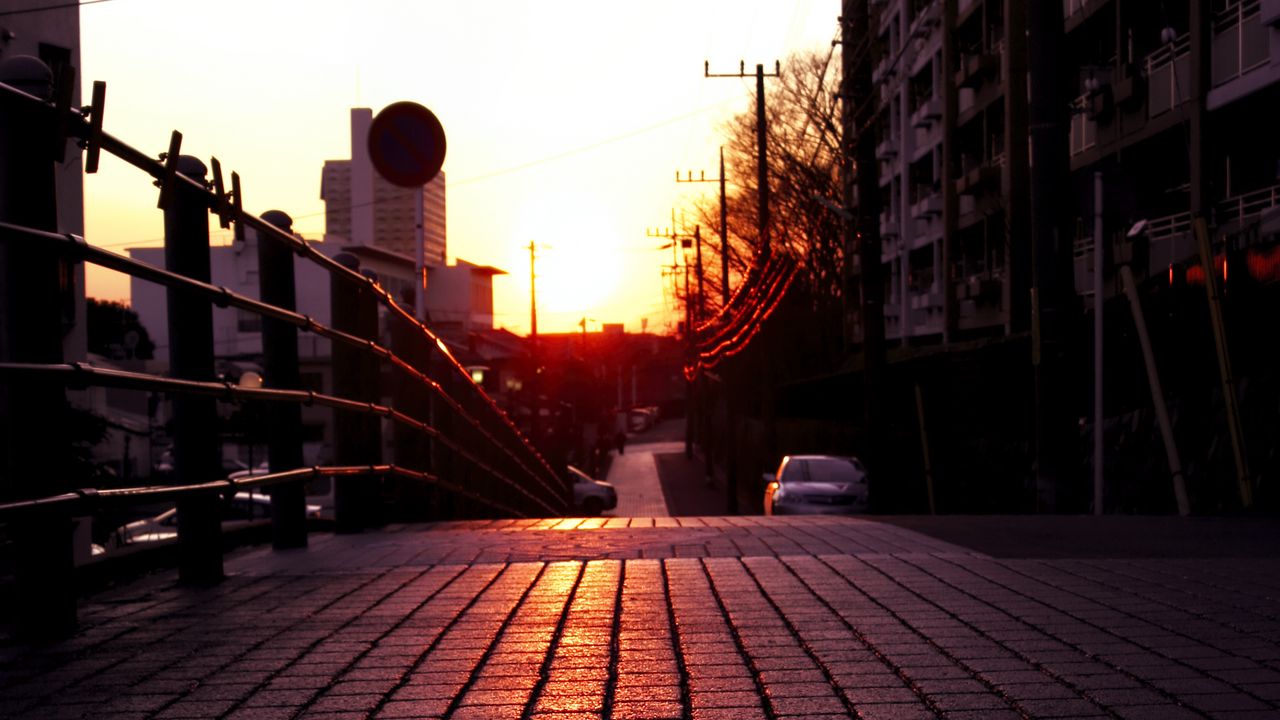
[367, 210]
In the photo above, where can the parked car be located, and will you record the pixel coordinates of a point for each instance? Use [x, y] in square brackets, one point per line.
[241, 510]
[640, 419]
[816, 485]
[591, 496]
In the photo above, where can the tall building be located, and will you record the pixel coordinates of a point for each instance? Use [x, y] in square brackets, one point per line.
[1171, 105]
[365, 209]
[910, 155]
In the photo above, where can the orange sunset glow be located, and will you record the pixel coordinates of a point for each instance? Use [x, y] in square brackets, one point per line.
[565, 122]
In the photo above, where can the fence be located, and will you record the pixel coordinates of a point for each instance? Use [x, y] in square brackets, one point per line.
[447, 434]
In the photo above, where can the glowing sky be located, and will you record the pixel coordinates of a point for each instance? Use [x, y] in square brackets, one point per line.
[566, 120]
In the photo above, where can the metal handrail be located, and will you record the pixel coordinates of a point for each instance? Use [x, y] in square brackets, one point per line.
[79, 126]
[222, 297]
[1167, 53]
[79, 374]
[1162, 228]
[87, 498]
[1249, 204]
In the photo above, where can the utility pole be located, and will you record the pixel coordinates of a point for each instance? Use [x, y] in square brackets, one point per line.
[724, 234]
[677, 243]
[762, 144]
[860, 185]
[688, 384]
[724, 237]
[533, 344]
[533, 295]
[697, 244]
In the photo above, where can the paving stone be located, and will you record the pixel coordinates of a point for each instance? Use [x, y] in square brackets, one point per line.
[816, 611]
[895, 711]
[646, 710]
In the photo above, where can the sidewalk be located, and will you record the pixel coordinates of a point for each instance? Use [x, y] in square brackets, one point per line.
[691, 618]
[635, 476]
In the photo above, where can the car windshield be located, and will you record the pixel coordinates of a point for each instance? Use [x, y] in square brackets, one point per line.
[829, 470]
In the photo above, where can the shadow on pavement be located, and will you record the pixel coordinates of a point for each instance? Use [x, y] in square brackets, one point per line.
[1109, 536]
[685, 488]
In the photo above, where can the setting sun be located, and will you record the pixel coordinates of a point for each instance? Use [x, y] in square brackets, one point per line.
[579, 265]
[564, 122]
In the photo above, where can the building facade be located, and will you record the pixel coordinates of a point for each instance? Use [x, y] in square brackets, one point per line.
[365, 209]
[1170, 104]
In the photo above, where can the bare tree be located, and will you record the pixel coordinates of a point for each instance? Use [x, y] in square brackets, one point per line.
[804, 151]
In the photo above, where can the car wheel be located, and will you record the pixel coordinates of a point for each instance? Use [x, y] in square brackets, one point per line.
[592, 506]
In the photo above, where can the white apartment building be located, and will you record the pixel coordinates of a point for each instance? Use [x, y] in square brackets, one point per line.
[909, 80]
[367, 210]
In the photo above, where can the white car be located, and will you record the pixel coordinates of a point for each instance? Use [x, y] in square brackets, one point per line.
[591, 496]
[243, 509]
[816, 485]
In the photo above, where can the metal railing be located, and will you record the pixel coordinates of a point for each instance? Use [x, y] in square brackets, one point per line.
[449, 435]
[1240, 41]
[1084, 129]
[1168, 71]
[1242, 208]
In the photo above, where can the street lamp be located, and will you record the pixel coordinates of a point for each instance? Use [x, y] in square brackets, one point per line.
[251, 380]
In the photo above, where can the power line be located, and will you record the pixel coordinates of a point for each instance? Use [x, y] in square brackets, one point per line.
[593, 146]
[557, 156]
[47, 8]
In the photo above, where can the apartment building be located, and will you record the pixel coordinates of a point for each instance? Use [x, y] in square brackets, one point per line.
[1169, 99]
[909, 76]
[1174, 106]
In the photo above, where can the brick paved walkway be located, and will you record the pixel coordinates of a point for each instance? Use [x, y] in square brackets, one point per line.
[737, 618]
[635, 476]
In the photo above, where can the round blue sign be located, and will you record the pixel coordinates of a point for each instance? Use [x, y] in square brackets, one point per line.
[406, 144]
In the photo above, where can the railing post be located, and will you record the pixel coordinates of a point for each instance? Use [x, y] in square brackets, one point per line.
[357, 436]
[197, 456]
[280, 365]
[412, 449]
[33, 414]
[444, 460]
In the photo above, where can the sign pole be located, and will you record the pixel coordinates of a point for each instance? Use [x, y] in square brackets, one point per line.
[420, 291]
[407, 147]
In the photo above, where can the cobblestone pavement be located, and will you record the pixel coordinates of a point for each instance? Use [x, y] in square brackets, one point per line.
[635, 476]
[736, 618]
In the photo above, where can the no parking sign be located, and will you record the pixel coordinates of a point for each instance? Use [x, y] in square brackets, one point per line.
[407, 144]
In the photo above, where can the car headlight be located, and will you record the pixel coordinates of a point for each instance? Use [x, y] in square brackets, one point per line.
[780, 495]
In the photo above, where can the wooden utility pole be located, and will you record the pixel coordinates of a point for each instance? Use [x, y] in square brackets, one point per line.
[860, 185]
[1052, 285]
[533, 294]
[724, 241]
[762, 146]
[1016, 187]
[533, 344]
[724, 237]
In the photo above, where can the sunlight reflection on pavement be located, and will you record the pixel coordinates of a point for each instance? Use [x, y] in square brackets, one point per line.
[635, 475]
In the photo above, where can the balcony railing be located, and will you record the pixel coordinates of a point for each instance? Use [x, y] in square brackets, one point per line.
[1084, 129]
[1168, 73]
[1240, 41]
[928, 112]
[1242, 208]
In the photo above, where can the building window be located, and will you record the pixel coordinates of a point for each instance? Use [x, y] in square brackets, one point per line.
[248, 322]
